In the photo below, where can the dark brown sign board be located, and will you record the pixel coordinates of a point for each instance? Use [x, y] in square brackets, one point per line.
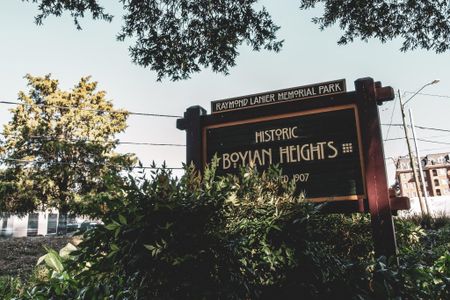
[323, 158]
[327, 140]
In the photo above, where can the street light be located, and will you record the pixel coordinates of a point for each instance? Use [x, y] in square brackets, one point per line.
[423, 202]
[418, 91]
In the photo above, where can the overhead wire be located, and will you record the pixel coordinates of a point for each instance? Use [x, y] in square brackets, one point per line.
[431, 95]
[23, 161]
[119, 142]
[392, 117]
[434, 149]
[420, 127]
[434, 142]
[96, 110]
[402, 138]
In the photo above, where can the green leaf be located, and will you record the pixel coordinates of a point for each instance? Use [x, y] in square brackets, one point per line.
[112, 226]
[149, 247]
[41, 259]
[65, 252]
[122, 220]
[117, 232]
[114, 247]
[53, 260]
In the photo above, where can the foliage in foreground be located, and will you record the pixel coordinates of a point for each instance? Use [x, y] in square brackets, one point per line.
[234, 238]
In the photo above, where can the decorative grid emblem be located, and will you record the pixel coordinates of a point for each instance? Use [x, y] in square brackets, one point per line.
[347, 148]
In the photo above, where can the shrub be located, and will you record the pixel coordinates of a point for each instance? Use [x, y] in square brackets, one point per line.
[243, 237]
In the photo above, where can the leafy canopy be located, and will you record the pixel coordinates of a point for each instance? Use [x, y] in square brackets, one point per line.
[421, 23]
[58, 146]
[176, 38]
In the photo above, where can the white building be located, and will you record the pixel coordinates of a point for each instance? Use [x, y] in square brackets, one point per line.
[41, 223]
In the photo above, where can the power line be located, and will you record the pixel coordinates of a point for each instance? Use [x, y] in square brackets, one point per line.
[399, 125]
[151, 144]
[96, 110]
[432, 128]
[431, 95]
[434, 142]
[394, 139]
[392, 117]
[420, 127]
[402, 138]
[434, 149]
[119, 142]
[23, 161]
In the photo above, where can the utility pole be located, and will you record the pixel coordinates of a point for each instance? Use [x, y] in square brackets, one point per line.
[423, 203]
[423, 207]
[422, 180]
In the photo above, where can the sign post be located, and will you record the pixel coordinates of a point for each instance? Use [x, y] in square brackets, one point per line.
[383, 232]
[324, 138]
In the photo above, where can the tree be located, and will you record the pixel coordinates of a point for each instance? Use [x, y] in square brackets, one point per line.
[421, 23]
[177, 37]
[58, 147]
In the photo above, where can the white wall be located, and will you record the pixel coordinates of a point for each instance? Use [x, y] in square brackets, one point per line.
[18, 227]
[42, 223]
[437, 205]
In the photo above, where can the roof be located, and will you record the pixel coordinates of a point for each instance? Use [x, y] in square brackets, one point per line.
[429, 160]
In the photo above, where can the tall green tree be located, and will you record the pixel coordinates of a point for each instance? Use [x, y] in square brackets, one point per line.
[59, 147]
[178, 37]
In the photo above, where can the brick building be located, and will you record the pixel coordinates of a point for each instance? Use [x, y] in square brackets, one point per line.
[436, 171]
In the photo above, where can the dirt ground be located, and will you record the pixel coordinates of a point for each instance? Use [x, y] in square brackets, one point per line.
[18, 256]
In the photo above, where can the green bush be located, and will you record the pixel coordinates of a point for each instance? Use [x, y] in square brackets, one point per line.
[10, 287]
[244, 237]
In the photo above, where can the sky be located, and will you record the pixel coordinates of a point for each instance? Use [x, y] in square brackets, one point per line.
[308, 56]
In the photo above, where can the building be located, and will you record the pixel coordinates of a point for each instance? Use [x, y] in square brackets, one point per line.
[436, 172]
[40, 223]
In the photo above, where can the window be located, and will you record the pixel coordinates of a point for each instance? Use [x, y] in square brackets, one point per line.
[52, 223]
[4, 226]
[33, 222]
[438, 192]
[72, 224]
[436, 182]
[434, 172]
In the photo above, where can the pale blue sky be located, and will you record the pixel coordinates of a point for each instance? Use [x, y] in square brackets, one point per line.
[308, 56]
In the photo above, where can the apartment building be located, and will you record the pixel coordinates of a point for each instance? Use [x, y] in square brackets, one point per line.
[436, 171]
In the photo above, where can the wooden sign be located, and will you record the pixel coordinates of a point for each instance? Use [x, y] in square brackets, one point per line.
[323, 158]
[279, 96]
[324, 138]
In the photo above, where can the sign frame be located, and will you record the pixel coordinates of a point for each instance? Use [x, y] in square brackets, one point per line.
[352, 107]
